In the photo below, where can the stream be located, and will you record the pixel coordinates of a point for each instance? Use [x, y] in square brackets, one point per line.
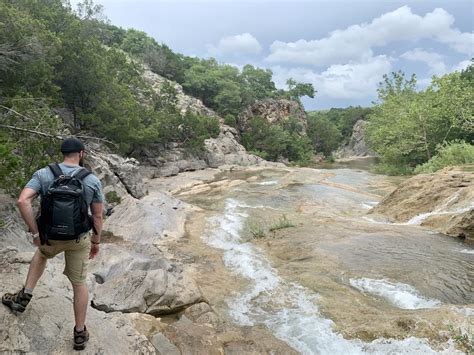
[326, 278]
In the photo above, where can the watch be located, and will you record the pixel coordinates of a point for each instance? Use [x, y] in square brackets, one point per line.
[35, 235]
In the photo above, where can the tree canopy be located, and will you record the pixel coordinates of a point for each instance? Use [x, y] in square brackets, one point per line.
[407, 127]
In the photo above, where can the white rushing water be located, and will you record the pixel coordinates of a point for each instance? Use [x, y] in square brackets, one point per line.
[289, 310]
[444, 208]
[369, 204]
[399, 294]
[270, 182]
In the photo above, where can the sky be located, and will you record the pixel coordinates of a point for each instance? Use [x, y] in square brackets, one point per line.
[342, 47]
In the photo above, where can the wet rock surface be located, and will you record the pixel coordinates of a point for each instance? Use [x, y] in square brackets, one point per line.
[332, 247]
[442, 201]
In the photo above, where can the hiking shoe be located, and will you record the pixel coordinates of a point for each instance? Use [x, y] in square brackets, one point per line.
[80, 339]
[17, 301]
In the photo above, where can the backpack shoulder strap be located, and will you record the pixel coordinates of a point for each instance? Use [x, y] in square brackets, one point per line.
[56, 170]
[81, 174]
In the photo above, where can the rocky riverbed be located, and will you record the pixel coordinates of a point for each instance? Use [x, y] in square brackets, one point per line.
[250, 261]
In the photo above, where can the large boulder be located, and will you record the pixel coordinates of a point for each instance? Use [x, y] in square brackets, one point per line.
[356, 147]
[226, 150]
[116, 173]
[153, 292]
[443, 201]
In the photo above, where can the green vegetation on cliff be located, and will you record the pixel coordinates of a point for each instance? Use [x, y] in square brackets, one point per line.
[52, 56]
[277, 141]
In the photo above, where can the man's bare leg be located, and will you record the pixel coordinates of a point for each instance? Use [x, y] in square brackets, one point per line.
[81, 300]
[37, 266]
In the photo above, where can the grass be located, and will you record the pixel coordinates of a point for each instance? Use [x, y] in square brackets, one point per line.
[260, 230]
[465, 340]
[256, 230]
[282, 223]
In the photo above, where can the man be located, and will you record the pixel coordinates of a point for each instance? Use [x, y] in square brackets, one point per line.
[76, 252]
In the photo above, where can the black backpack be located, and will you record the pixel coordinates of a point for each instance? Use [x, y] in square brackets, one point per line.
[64, 211]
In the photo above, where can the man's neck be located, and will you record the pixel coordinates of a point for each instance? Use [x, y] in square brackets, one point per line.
[71, 162]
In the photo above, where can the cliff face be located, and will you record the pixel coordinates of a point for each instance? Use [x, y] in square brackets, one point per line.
[185, 103]
[223, 150]
[443, 201]
[356, 147]
[274, 111]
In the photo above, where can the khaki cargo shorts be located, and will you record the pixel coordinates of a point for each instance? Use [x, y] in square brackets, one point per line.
[76, 255]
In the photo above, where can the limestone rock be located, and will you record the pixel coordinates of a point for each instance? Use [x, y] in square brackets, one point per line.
[115, 260]
[443, 201]
[116, 173]
[226, 150]
[356, 147]
[155, 217]
[163, 345]
[202, 313]
[46, 325]
[154, 292]
[12, 229]
[274, 111]
[100, 167]
[128, 173]
[191, 338]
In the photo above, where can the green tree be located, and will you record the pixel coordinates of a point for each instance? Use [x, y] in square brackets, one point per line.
[274, 142]
[324, 134]
[297, 90]
[256, 84]
[407, 127]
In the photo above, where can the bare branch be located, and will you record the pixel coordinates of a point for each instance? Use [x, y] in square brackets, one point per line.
[14, 128]
[15, 112]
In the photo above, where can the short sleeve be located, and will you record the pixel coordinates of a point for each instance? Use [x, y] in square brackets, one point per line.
[35, 182]
[98, 194]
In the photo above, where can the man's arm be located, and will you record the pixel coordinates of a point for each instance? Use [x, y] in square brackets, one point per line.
[24, 204]
[97, 209]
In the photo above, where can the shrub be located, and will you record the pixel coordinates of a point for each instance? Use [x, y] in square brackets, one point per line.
[273, 141]
[230, 120]
[452, 153]
[112, 197]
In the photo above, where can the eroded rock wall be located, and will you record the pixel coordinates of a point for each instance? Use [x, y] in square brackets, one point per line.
[274, 111]
[356, 147]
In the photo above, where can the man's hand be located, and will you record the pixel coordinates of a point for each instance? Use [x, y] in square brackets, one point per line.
[94, 251]
[37, 242]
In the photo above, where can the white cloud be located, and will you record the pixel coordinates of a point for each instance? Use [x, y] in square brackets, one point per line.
[356, 42]
[462, 65]
[340, 81]
[241, 44]
[434, 61]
